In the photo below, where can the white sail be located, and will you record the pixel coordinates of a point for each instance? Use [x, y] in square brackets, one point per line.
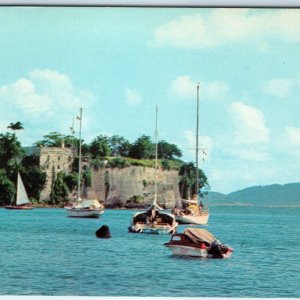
[22, 197]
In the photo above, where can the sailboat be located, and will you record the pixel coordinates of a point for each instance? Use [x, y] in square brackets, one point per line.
[193, 212]
[83, 208]
[153, 220]
[21, 197]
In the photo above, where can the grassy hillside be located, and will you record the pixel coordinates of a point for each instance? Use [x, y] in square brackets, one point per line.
[270, 195]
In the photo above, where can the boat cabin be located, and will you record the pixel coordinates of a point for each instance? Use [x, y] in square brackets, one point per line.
[183, 239]
[149, 217]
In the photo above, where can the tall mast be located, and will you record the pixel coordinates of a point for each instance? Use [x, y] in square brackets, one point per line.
[197, 141]
[79, 160]
[156, 150]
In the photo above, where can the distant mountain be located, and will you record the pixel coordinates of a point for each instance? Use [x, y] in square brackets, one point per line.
[275, 195]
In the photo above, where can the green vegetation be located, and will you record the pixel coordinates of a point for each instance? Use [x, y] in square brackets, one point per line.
[15, 126]
[56, 139]
[102, 152]
[187, 183]
[59, 190]
[12, 161]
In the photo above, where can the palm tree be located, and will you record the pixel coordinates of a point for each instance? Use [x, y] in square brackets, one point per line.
[15, 126]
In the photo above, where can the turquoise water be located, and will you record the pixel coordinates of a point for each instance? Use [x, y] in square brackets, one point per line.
[45, 253]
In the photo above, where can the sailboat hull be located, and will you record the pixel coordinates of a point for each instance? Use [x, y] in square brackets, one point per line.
[83, 213]
[196, 220]
[19, 207]
[157, 229]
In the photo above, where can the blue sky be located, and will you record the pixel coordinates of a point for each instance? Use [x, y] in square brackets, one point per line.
[118, 63]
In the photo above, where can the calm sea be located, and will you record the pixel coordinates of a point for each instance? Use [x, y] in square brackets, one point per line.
[45, 253]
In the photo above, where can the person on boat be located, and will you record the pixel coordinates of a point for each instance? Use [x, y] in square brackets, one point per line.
[201, 206]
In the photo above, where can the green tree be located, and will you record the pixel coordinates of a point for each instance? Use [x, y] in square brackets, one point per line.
[142, 148]
[99, 147]
[119, 146]
[165, 164]
[167, 151]
[187, 183]
[55, 139]
[7, 189]
[10, 151]
[59, 190]
[87, 177]
[34, 177]
[71, 180]
[15, 126]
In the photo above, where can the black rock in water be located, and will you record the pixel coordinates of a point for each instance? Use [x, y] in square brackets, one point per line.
[103, 232]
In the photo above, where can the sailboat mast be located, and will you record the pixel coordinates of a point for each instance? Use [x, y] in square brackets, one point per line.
[156, 152]
[197, 143]
[79, 160]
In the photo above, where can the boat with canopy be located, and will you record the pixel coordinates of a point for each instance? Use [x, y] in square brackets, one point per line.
[154, 220]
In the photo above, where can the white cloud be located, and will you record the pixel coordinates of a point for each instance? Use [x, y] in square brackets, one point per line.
[22, 95]
[45, 99]
[44, 92]
[216, 89]
[221, 26]
[278, 87]
[185, 87]
[249, 124]
[132, 97]
[281, 88]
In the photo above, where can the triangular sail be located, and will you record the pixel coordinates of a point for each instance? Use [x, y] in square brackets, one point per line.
[22, 197]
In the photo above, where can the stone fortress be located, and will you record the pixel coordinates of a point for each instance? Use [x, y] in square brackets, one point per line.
[52, 160]
[112, 186]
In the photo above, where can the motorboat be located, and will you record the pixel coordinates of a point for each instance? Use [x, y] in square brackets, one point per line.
[198, 242]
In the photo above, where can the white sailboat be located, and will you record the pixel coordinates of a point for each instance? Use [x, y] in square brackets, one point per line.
[22, 200]
[153, 220]
[84, 208]
[193, 213]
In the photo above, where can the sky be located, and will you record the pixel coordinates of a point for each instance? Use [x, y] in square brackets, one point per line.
[119, 63]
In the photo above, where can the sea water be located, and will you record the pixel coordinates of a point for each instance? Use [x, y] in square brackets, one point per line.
[43, 252]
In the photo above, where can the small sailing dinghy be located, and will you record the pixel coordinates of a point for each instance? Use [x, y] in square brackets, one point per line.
[22, 201]
[153, 220]
[198, 242]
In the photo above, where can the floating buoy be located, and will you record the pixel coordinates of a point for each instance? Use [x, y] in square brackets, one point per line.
[103, 232]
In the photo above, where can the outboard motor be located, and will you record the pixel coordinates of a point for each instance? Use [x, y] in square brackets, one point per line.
[103, 232]
[216, 249]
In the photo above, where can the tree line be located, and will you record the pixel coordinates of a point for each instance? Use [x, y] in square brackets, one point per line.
[116, 146]
[13, 160]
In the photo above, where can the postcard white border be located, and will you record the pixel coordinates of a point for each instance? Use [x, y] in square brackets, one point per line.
[154, 3]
